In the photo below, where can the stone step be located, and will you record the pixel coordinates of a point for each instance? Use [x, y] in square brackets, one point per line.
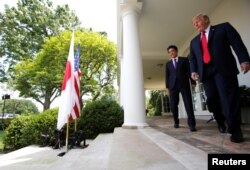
[125, 149]
[147, 148]
[94, 157]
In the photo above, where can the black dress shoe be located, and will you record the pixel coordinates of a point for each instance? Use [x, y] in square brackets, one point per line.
[193, 129]
[237, 137]
[176, 125]
[222, 128]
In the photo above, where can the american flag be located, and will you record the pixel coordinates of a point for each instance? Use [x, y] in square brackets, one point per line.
[77, 74]
[70, 104]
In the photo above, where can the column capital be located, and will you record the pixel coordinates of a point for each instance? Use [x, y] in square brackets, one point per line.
[130, 6]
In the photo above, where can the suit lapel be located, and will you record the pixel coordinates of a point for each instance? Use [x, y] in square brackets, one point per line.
[171, 65]
[178, 62]
[211, 33]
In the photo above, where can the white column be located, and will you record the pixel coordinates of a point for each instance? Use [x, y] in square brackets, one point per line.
[132, 72]
[121, 88]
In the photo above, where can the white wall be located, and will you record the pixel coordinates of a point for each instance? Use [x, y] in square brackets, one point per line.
[237, 13]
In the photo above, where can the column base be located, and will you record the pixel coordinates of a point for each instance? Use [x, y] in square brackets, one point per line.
[135, 126]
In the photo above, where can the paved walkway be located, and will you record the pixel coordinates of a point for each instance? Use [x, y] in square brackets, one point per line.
[206, 138]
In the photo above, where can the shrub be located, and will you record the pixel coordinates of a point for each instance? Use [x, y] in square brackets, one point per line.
[13, 133]
[4, 123]
[44, 123]
[100, 116]
[25, 130]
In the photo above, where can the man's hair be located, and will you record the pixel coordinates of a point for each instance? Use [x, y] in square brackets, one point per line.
[204, 16]
[172, 46]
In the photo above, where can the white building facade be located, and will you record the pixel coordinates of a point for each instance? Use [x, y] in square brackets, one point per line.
[147, 27]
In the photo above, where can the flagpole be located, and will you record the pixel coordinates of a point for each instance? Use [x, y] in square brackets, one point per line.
[70, 106]
[67, 136]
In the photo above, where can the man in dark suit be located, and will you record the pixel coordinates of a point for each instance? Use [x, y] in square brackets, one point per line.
[177, 81]
[212, 60]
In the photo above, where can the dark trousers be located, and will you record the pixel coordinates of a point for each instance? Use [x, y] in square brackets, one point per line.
[187, 99]
[223, 99]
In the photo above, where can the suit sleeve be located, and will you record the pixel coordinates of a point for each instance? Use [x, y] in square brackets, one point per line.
[192, 60]
[189, 72]
[237, 43]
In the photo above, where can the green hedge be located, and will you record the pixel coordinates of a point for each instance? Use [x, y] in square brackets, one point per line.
[4, 122]
[25, 130]
[100, 116]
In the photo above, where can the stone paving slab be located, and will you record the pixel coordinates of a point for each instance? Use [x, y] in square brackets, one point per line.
[206, 138]
[132, 150]
[189, 156]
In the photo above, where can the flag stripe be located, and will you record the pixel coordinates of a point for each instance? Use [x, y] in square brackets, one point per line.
[70, 96]
[67, 75]
[76, 108]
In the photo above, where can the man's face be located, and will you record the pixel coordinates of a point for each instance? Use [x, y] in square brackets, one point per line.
[200, 23]
[172, 53]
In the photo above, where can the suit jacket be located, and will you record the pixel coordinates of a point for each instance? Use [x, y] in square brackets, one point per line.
[221, 38]
[180, 75]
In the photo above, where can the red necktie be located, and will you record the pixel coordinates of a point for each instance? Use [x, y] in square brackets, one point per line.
[206, 55]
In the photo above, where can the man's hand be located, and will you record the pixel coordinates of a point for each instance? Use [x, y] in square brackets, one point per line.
[194, 76]
[245, 67]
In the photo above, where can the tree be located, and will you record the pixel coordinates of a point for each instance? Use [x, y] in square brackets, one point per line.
[41, 78]
[18, 106]
[23, 29]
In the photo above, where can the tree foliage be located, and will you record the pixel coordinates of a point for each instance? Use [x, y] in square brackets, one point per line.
[41, 78]
[18, 106]
[23, 29]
